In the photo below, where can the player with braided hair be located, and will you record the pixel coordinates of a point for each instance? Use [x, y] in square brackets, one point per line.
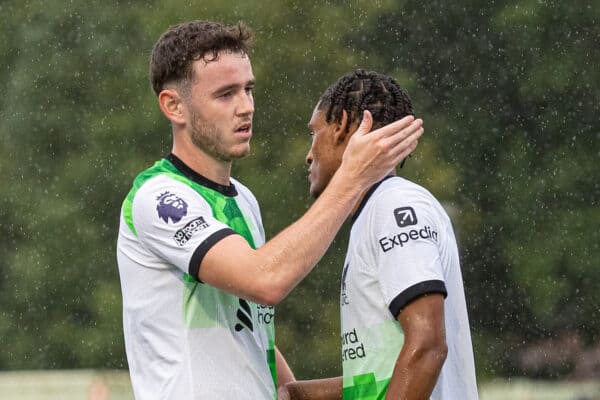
[364, 90]
[404, 325]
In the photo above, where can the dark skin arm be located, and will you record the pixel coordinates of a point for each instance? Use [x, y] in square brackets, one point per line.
[417, 367]
[424, 351]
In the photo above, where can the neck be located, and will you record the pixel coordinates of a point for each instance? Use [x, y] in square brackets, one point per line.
[216, 170]
[364, 193]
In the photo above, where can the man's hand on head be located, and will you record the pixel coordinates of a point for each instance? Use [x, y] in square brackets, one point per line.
[372, 155]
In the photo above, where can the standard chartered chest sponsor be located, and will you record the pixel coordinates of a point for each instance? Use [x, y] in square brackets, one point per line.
[352, 346]
[371, 349]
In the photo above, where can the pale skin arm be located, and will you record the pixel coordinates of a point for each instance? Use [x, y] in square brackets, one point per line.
[284, 372]
[266, 275]
[424, 351]
[314, 389]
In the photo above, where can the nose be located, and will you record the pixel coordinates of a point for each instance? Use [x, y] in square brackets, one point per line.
[309, 157]
[246, 105]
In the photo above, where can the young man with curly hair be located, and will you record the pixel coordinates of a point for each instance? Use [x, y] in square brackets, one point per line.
[404, 325]
[199, 282]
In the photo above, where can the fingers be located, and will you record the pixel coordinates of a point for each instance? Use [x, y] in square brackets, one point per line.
[406, 146]
[395, 127]
[370, 154]
[391, 141]
[401, 144]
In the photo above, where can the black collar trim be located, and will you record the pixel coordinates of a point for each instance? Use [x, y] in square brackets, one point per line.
[372, 190]
[229, 191]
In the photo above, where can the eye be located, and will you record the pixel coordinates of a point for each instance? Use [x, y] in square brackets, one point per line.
[249, 89]
[226, 94]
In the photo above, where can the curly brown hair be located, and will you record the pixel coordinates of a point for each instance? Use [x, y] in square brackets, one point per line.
[365, 90]
[176, 50]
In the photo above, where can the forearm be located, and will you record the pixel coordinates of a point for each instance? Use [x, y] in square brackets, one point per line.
[287, 258]
[416, 373]
[293, 253]
[316, 389]
[268, 274]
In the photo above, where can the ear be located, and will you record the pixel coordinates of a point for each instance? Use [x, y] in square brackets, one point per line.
[341, 132]
[172, 106]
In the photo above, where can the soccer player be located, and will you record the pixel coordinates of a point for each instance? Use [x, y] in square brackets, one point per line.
[404, 326]
[198, 281]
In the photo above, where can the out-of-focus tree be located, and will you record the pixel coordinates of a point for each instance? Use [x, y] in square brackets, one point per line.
[74, 94]
[508, 92]
[514, 85]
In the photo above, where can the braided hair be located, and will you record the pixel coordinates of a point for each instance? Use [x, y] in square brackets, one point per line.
[363, 90]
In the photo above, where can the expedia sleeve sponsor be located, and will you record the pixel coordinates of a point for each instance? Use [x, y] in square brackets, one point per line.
[388, 243]
[405, 216]
[184, 234]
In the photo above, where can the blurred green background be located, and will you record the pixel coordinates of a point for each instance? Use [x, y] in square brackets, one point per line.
[510, 95]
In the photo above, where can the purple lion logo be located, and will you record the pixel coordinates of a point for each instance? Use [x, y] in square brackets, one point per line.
[171, 206]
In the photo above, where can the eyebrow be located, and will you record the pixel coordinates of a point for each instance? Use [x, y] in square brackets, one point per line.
[233, 86]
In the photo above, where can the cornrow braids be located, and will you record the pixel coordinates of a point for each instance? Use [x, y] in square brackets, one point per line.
[363, 90]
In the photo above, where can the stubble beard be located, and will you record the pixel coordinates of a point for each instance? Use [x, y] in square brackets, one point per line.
[207, 137]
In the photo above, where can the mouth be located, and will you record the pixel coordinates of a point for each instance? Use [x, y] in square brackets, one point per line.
[244, 129]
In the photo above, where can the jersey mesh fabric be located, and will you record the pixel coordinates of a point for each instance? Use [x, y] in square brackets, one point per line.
[186, 339]
[401, 246]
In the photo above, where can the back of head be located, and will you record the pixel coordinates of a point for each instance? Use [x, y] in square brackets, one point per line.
[362, 90]
[176, 50]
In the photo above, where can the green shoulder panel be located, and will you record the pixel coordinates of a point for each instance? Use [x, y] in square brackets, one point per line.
[225, 209]
[162, 167]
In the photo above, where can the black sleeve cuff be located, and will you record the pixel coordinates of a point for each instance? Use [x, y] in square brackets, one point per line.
[414, 292]
[204, 247]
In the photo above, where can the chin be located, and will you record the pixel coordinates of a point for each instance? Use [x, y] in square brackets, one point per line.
[314, 192]
[239, 153]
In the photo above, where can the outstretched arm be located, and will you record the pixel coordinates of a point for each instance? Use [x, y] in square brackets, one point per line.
[266, 275]
[423, 352]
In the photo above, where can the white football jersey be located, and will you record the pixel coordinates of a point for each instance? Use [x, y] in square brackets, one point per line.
[401, 246]
[185, 339]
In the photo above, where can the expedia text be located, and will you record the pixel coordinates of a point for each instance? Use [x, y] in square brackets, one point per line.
[389, 242]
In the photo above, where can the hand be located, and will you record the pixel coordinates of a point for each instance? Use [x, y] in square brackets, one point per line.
[372, 155]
